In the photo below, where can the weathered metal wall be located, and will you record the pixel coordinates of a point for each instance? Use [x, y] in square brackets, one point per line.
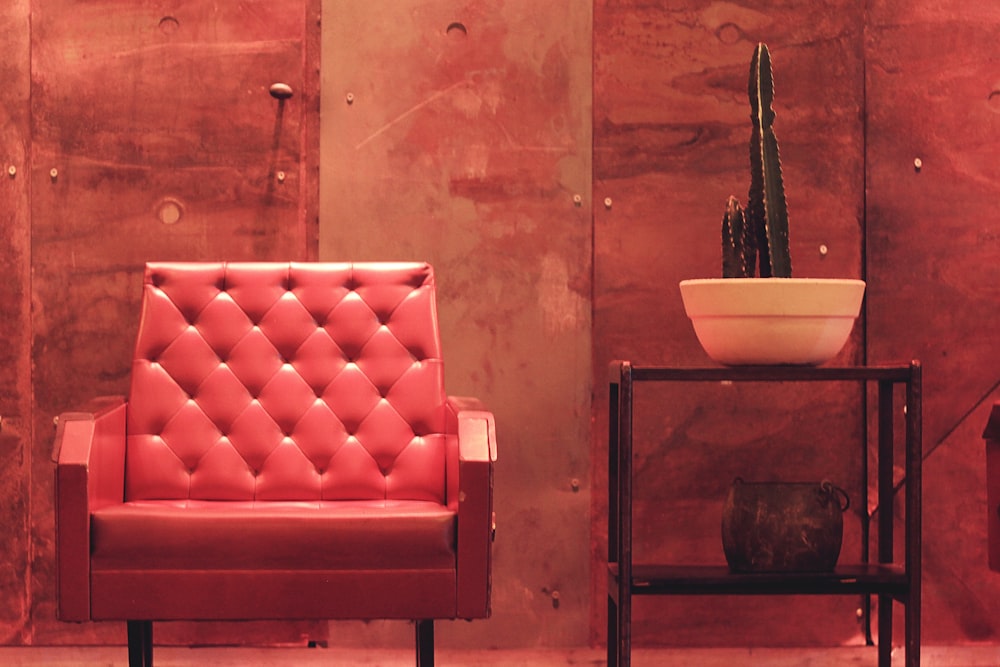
[153, 138]
[933, 249]
[458, 132]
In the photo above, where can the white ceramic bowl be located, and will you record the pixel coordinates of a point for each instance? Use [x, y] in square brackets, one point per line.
[772, 321]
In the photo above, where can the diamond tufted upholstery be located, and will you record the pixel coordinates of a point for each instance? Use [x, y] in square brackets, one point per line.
[287, 382]
[287, 450]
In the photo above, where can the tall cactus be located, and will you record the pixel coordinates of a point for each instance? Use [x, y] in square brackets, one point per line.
[760, 233]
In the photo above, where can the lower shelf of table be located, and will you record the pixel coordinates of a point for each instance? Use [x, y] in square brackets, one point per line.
[873, 579]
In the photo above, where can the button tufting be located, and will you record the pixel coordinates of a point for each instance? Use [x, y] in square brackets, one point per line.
[254, 389]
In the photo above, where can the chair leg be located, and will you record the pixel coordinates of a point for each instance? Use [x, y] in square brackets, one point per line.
[425, 643]
[140, 643]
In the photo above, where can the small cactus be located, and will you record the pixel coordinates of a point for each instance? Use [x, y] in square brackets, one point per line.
[739, 253]
[759, 234]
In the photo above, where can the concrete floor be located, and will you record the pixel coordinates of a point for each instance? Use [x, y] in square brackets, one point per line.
[964, 656]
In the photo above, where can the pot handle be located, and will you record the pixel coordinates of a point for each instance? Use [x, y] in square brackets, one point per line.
[833, 491]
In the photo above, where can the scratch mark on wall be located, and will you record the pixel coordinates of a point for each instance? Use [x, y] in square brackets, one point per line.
[409, 112]
[561, 308]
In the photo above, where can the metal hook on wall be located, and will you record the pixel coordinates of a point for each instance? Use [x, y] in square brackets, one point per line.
[280, 91]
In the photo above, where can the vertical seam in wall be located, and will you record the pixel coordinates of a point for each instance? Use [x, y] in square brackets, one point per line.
[865, 415]
[595, 594]
[865, 223]
[27, 620]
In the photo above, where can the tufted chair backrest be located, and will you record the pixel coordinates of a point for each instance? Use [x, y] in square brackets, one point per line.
[290, 381]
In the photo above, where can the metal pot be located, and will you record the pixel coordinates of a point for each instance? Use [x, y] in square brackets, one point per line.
[783, 526]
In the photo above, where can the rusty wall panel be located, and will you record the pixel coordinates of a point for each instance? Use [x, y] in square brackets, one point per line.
[154, 138]
[670, 144]
[459, 132]
[934, 271]
[15, 339]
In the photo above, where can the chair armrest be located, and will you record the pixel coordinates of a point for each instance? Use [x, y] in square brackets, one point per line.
[89, 453]
[477, 453]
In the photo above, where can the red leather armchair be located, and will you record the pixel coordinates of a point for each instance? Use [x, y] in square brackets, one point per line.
[286, 451]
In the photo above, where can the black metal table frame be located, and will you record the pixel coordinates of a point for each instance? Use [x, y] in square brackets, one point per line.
[885, 578]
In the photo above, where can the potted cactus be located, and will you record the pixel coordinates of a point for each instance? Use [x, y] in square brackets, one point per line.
[757, 313]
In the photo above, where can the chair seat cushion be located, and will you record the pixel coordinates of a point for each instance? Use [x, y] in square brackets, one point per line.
[259, 535]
